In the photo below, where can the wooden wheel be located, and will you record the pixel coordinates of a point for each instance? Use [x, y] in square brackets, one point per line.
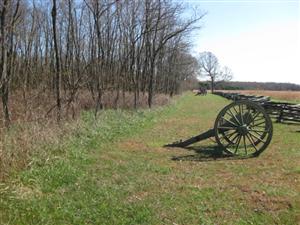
[243, 128]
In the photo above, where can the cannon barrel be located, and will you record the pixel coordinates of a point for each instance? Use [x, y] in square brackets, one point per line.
[208, 134]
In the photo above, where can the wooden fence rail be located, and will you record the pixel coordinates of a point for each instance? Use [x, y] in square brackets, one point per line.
[281, 111]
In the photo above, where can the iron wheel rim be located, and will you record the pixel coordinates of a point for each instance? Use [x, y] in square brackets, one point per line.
[243, 128]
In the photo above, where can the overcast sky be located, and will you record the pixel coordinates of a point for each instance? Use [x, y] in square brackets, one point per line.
[258, 40]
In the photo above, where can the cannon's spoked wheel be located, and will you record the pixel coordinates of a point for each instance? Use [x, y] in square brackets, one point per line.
[243, 128]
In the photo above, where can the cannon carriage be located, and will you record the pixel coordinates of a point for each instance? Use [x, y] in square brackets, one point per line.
[242, 128]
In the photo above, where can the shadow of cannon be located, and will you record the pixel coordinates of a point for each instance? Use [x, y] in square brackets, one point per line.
[208, 153]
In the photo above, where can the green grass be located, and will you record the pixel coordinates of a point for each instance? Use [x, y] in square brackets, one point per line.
[114, 171]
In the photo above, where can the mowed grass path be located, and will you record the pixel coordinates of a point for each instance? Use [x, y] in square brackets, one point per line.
[134, 180]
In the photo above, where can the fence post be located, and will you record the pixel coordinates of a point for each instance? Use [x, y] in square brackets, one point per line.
[280, 117]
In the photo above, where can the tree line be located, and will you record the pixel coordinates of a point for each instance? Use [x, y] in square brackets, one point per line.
[271, 86]
[64, 46]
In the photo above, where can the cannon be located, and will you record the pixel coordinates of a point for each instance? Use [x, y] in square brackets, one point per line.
[242, 128]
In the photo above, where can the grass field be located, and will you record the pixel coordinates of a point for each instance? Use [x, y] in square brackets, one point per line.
[292, 96]
[115, 171]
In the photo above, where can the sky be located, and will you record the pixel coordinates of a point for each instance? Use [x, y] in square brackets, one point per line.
[258, 40]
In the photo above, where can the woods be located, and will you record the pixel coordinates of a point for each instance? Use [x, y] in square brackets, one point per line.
[54, 50]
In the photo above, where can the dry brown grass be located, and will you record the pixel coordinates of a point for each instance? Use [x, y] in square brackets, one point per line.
[33, 127]
[39, 105]
[277, 95]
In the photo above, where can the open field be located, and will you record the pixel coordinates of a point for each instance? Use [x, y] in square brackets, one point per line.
[293, 96]
[115, 171]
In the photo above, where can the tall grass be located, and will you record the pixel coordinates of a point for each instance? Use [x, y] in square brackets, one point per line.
[39, 105]
[25, 142]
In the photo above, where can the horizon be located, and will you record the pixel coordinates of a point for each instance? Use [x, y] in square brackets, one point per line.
[258, 40]
[260, 82]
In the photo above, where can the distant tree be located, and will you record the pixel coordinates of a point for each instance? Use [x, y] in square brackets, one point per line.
[226, 74]
[237, 85]
[210, 67]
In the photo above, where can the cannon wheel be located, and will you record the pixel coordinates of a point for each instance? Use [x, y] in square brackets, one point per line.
[243, 128]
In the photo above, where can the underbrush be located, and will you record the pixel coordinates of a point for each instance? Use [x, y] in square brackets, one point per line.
[30, 143]
[40, 105]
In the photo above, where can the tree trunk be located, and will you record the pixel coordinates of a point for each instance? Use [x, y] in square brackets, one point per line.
[4, 74]
[57, 63]
[212, 85]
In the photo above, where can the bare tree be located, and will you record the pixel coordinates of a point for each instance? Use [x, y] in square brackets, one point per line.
[9, 15]
[226, 74]
[64, 48]
[210, 67]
